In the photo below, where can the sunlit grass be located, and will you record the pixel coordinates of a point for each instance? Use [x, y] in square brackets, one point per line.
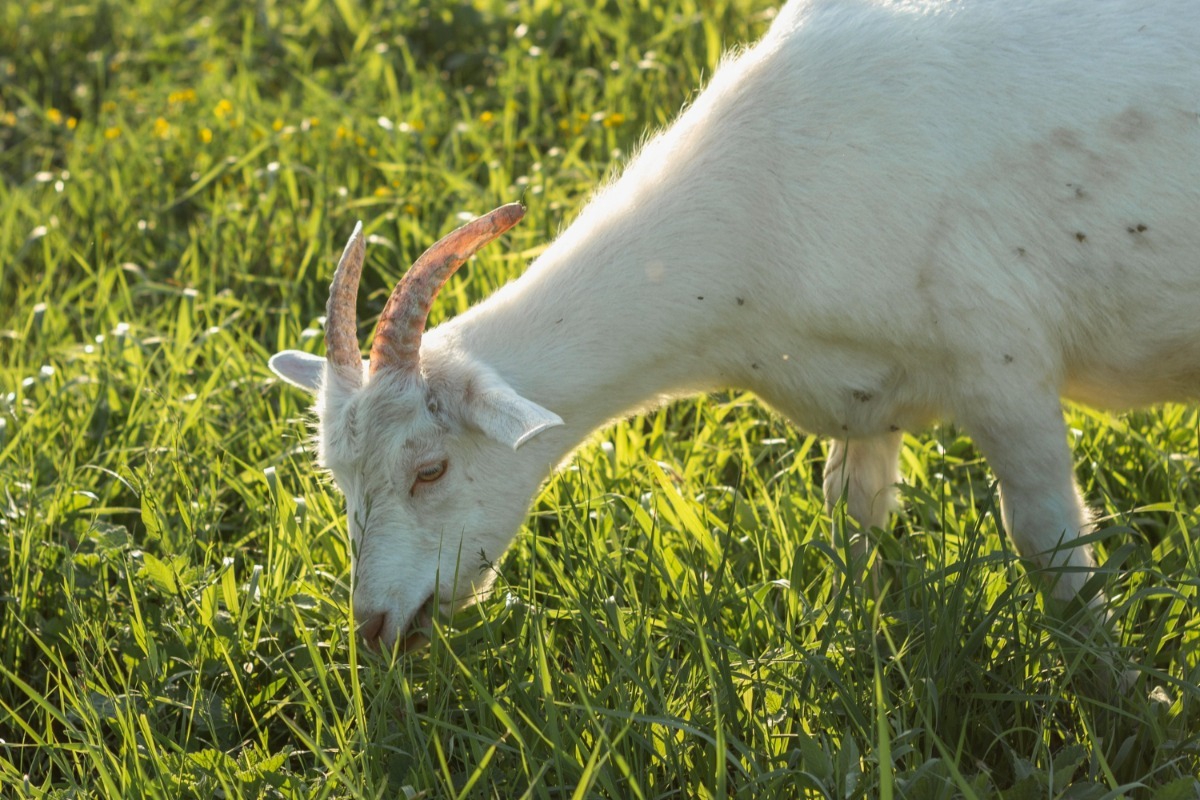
[174, 184]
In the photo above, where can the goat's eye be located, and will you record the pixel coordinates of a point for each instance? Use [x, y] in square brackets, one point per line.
[431, 472]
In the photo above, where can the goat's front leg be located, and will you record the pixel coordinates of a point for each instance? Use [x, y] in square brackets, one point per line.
[1025, 443]
[865, 472]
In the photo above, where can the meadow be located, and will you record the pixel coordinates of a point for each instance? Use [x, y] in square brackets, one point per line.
[176, 182]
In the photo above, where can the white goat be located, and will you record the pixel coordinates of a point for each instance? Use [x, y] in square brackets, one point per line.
[882, 214]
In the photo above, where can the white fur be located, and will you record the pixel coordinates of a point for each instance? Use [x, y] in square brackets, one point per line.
[882, 214]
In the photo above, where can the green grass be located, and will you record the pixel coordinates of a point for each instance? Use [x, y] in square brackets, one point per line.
[176, 180]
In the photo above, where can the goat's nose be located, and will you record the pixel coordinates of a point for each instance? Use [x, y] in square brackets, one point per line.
[371, 628]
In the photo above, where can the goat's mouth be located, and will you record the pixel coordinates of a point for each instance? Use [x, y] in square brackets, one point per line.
[379, 632]
[415, 634]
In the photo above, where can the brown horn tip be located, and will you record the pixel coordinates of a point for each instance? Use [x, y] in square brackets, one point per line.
[341, 319]
[397, 343]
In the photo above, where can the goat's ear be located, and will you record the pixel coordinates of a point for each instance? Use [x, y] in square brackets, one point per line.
[298, 368]
[505, 416]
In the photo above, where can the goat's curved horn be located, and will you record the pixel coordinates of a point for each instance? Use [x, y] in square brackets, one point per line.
[397, 344]
[341, 321]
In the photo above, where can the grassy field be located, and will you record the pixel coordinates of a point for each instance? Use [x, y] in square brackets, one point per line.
[176, 181]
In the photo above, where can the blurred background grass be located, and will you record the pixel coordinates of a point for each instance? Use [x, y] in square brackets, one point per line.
[176, 180]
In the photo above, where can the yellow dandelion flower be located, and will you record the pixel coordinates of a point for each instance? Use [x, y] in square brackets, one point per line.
[71, 123]
[112, 132]
[162, 128]
[359, 141]
[108, 106]
[372, 152]
[418, 125]
[223, 109]
[487, 117]
[206, 135]
[8, 119]
[341, 132]
[382, 191]
[277, 125]
[313, 121]
[410, 209]
[614, 119]
[54, 115]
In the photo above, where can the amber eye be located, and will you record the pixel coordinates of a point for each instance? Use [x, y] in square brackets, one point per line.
[431, 472]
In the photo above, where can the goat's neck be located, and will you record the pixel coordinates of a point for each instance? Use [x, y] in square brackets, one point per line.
[603, 324]
[635, 303]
